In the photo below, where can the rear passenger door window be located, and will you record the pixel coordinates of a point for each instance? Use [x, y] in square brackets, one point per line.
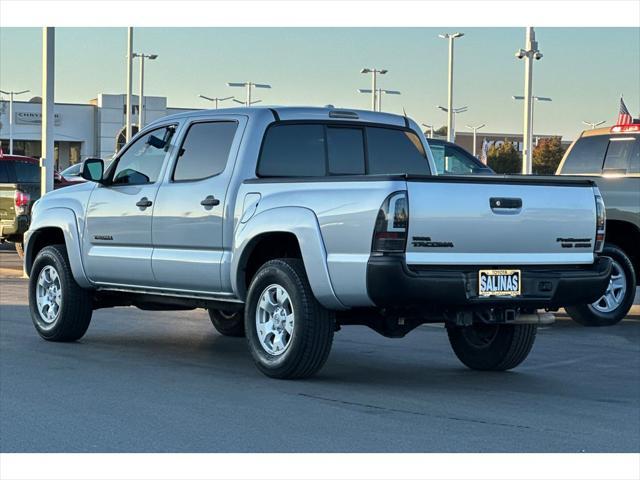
[204, 151]
[345, 148]
[293, 151]
[395, 151]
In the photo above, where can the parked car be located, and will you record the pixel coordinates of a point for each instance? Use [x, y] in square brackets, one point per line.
[19, 189]
[451, 159]
[611, 158]
[288, 223]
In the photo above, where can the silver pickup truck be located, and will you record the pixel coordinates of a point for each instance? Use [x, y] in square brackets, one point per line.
[288, 223]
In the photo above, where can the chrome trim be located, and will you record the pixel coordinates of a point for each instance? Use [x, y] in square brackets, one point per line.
[167, 292]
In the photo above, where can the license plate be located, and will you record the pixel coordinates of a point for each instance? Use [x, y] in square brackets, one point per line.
[499, 283]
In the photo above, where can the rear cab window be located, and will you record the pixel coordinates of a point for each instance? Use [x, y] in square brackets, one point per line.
[586, 156]
[319, 149]
[623, 156]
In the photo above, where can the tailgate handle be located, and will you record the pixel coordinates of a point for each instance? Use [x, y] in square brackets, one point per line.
[498, 203]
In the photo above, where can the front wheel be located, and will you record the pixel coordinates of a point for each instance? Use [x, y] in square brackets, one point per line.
[288, 331]
[492, 347]
[60, 309]
[617, 300]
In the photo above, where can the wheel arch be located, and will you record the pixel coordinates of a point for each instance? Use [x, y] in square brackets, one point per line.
[291, 232]
[625, 236]
[55, 226]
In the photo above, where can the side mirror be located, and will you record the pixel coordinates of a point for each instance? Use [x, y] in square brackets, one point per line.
[93, 169]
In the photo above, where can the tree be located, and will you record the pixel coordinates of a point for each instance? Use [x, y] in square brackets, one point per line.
[442, 131]
[547, 156]
[504, 158]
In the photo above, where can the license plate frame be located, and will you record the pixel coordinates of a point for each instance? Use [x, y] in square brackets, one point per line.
[500, 288]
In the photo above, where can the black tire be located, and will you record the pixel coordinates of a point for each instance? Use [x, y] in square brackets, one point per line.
[75, 309]
[229, 324]
[310, 341]
[19, 249]
[492, 347]
[589, 315]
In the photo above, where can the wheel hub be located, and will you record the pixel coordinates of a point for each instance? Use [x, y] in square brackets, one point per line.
[275, 319]
[615, 293]
[49, 295]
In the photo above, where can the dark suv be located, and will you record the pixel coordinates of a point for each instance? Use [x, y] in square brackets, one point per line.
[611, 157]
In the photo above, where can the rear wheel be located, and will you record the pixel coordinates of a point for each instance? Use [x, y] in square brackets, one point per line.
[60, 309]
[492, 347]
[288, 331]
[19, 249]
[617, 300]
[229, 324]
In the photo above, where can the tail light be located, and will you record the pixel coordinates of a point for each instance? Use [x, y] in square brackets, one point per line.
[601, 221]
[390, 233]
[634, 127]
[21, 201]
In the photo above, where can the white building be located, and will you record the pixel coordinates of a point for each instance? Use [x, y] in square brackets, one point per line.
[80, 130]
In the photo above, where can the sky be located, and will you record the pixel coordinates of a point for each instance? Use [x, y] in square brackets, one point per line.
[584, 70]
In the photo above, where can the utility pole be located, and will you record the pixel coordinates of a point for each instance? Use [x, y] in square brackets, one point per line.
[11, 94]
[142, 56]
[430, 127]
[374, 83]
[48, 69]
[380, 92]
[129, 83]
[215, 100]
[529, 53]
[451, 37]
[249, 86]
[475, 129]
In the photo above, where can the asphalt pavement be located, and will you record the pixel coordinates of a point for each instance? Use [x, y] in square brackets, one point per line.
[168, 382]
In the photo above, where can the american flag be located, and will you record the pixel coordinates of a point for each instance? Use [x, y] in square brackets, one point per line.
[624, 117]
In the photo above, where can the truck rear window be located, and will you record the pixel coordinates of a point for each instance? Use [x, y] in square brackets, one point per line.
[317, 150]
[586, 156]
[19, 172]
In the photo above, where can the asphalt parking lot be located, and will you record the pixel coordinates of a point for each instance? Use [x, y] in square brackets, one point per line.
[167, 382]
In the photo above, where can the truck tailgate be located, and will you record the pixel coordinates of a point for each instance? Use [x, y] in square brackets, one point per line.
[500, 221]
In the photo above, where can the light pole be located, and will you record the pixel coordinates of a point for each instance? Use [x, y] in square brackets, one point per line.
[593, 124]
[374, 83]
[142, 56]
[529, 53]
[127, 116]
[249, 86]
[380, 92]
[475, 129]
[451, 122]
[534, 99]
[11, 94]
[430, 127]
[47, 144]
[451, 37]
[215, 100]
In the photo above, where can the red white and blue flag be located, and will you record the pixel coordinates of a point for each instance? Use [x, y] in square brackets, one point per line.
[624, 117]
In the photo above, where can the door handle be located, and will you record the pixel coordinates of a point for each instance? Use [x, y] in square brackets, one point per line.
[513, 203]
[144, 202]
[210, 201]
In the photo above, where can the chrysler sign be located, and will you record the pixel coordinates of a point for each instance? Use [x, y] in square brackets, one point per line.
[34, 118]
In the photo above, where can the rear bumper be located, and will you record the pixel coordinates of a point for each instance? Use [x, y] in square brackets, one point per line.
[391, 283]
[15, 229]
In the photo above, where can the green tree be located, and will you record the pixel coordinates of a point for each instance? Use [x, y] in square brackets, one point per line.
[442, 131]
[547, 155]
[504, 158]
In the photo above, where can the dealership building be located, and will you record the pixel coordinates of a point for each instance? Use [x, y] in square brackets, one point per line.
[93, 129]
[96, 128]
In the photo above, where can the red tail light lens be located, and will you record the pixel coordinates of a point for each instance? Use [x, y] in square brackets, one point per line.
[21, 199]
[634, 127]
[390, 234]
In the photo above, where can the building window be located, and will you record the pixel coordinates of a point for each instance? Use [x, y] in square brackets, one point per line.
[121, 138]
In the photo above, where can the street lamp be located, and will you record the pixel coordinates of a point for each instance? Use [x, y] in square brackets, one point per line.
[451, 122]
[11, 94]
[530, 53]
[215, 100]
[248, 85]
[535, 99]
[374, 77]
[430, 127]
[142, 56]
[380, 92]
[451, 37]
[593, 124]
[475, 129]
